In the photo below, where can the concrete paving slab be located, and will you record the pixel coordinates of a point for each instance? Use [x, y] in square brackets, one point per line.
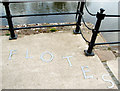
[113, 65]
[33, 73]
[105, 55]
[0, 62]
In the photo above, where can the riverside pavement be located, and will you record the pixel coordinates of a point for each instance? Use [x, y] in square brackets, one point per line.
[33, 73]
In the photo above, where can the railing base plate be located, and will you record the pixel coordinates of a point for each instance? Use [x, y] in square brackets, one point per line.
[74, 32]
[11, 38]
[88, 54]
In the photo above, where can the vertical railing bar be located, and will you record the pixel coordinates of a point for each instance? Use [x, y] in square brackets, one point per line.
[78, 22]
[9, 19]
[100, 17]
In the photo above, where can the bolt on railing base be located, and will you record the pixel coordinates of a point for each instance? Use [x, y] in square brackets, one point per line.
[74, 32]
[11, 38]
[88, 54]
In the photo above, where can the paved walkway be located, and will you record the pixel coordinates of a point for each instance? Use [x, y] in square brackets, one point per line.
[20, 72]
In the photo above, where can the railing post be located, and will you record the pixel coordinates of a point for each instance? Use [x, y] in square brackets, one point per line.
[9, 19]
[100, 16]
[78, 23]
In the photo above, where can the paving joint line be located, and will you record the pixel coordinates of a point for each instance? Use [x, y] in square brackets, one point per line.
[116, 81]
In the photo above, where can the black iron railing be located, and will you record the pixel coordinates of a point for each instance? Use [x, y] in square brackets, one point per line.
[100, 16]
[10, 23]
[79, 17]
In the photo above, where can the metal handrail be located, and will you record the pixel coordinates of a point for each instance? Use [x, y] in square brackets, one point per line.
[107, 43]
[45, 14]
[109, 30]
[112, 15]
[18, 1]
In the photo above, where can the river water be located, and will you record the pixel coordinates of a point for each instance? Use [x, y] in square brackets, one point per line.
[50, 7]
